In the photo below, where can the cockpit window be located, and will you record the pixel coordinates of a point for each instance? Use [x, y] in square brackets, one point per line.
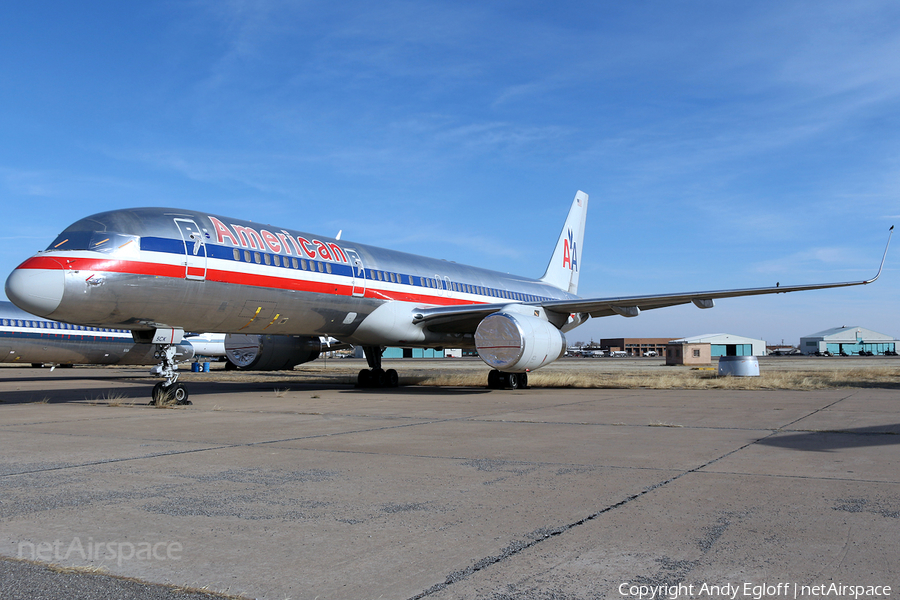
[72, 240]
[98, 241]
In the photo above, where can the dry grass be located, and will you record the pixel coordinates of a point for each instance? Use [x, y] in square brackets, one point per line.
[113, 399]
[94, 569]
[666, 379]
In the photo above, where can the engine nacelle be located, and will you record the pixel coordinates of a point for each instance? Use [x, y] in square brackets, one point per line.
[517, 343]
[270, 352]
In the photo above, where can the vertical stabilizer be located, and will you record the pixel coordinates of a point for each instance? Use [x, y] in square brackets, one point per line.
[562, 272]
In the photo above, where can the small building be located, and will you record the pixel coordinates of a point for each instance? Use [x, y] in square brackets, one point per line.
[635, 346]
[690, 354]
[726, 344]
[848, 340]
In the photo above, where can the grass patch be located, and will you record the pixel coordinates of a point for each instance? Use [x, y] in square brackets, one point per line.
[664, 378]
[94, 569]
[114, 399]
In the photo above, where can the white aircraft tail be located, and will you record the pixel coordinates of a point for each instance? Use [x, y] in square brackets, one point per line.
[562, 272]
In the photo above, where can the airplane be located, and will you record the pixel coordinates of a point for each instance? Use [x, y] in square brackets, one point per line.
[161, 271]
[28, 339]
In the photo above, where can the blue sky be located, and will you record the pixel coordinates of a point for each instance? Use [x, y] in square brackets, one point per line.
[722, 144]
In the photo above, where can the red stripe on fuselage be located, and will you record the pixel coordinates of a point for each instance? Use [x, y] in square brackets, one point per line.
[132, 267]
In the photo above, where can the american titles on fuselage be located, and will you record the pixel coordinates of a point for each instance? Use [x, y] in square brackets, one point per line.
[282, 242]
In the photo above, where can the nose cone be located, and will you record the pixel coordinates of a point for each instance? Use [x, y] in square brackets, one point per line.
[38, 291]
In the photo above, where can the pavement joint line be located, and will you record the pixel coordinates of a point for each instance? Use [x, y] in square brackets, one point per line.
[818, 410]
[220, 447]
[518, 547]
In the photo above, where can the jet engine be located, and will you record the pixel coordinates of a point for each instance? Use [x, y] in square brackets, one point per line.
[270, 352]
[516, 343]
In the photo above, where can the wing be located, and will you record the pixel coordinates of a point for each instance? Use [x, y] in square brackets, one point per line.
[466, 318]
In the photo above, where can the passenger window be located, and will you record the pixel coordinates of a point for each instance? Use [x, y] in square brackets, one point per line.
[294, 263]
[257, 257]
[237, 254]
[267, 258]
[246, 256]
[328, 267]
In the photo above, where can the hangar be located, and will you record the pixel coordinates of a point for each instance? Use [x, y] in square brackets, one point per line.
[726, 344]
[403, 353]
[848, 340]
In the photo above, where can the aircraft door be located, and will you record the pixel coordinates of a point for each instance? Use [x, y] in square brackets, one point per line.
[358, 270]
[194, 249]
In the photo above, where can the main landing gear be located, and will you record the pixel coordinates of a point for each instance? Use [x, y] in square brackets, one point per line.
[168, 391]
[375, 376]
[499, 380]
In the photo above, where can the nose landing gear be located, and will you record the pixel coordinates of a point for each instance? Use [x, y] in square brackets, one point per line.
[168, 391]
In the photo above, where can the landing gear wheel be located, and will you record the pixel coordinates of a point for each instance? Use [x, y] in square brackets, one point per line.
[494, 380]
[179, 394]
[162, 395]
[377, 378]
[498, 380]
[392, 378]
[512, 380]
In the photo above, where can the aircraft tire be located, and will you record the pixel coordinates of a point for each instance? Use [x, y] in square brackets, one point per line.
[512, 380]
[364, 379]
[494, 380]
[179, 393]
[392, 379]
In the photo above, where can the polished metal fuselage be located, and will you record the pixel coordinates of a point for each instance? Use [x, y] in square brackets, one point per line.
[152, 268]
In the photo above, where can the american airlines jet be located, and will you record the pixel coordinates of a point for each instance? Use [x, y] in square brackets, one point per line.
[161, 271]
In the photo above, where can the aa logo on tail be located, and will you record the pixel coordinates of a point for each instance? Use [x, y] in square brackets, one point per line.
[570, 253]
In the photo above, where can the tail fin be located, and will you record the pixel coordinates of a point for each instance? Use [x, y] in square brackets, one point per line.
[562, 272]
